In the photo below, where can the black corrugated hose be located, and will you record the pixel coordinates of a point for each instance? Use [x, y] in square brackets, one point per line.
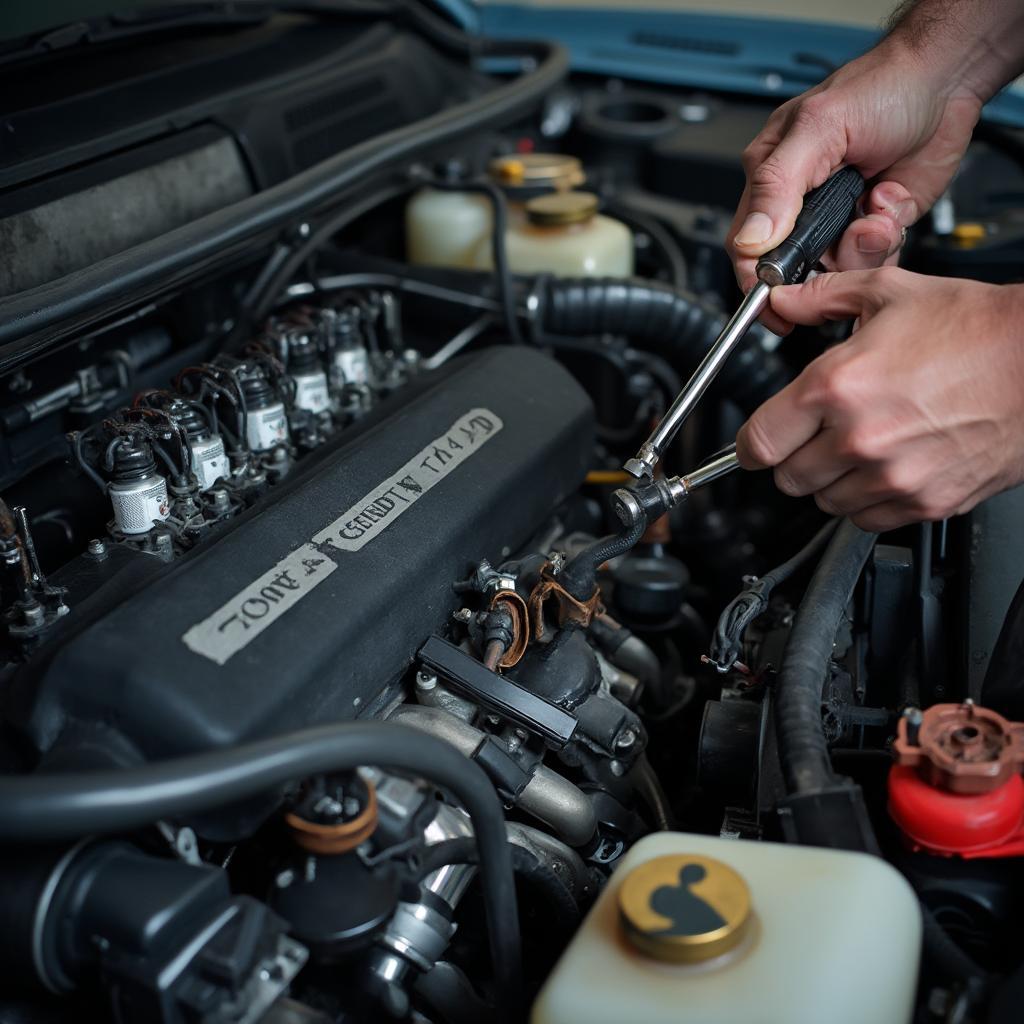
[680, 326]
[54, 807]
[803, 750]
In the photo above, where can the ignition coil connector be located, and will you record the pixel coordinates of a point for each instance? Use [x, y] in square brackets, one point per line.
[138, 493]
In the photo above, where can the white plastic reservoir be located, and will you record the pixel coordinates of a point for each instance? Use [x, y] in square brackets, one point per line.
[700, 930]
[443, 229]
[563, 234]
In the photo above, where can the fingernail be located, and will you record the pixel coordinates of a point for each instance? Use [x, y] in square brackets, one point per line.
[906, 211]
[887, 196]
[872, 242]
[757, 228]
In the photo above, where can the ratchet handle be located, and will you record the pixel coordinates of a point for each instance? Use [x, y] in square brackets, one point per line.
[826, 212]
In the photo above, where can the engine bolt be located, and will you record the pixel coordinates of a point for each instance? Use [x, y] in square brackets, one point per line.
[219, 498]
[625, 739]
[97, 549]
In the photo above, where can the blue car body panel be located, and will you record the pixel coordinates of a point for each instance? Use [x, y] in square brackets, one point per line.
[746, 55]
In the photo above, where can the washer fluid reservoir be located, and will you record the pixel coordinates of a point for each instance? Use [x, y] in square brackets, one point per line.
[563, 234]
[444, 228]
[694, 928]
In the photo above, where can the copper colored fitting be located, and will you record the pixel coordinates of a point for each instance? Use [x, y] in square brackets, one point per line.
[331, 840]
[962, 748]
[516, 607]
[569, 609]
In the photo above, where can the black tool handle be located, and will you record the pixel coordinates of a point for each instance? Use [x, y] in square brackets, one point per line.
[826, 212]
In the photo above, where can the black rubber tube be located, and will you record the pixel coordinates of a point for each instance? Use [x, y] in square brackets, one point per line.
[579, 577]
[803, 750]
[676, 323]
[558, 899]
[50, 808]
[180, 254]
[282, 265]
[499, 253]
[752, 601]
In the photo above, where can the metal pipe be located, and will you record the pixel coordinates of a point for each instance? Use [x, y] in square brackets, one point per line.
[721, 465]
[549, 797]
[744, 317]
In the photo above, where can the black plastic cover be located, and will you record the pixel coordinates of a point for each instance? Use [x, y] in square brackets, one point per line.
[317, 600]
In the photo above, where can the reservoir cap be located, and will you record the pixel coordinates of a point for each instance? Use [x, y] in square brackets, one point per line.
[684, 909]
[561, 208]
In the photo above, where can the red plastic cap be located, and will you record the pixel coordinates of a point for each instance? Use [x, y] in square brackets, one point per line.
[968, 825]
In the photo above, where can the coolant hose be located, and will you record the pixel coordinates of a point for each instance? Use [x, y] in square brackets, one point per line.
[55, 807]
[679, 324]
[803, 749]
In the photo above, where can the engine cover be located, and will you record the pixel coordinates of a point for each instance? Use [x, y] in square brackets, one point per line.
[310, 607]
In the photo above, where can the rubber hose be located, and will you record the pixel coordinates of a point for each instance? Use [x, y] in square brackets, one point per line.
[803, 749]
[283, 264]
[525, 865]
[186, 251]
[950, 960]
[579, 577]
[681, 326]
[499, 253]
[651, 792]
[50, 808]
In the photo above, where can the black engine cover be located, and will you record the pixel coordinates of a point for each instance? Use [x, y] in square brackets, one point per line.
[312, 605]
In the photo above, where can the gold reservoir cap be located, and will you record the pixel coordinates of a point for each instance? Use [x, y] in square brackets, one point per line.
[561, 208]
[537, 170]
[969, 233]
[683, 908]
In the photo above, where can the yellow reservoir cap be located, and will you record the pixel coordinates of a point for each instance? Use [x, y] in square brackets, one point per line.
[684, 909]
[969, 231]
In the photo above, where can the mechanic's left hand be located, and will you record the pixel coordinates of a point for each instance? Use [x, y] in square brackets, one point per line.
[918, 416]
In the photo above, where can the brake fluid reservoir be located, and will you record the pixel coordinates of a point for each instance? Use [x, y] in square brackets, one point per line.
[443, 229]
[694, 928]
[563, 234]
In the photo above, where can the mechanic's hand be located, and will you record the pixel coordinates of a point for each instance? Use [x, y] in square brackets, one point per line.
[918, 416]
[888, 113]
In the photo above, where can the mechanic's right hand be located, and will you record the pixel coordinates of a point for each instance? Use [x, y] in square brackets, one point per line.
[887, 113]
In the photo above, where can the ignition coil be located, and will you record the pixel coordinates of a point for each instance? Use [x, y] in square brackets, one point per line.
[208, 458]
[266, 423]
[138, 493]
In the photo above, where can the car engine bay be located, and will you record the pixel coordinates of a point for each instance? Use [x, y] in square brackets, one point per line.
[324, 341]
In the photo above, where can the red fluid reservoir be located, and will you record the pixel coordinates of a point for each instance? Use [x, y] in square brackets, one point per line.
[956, 789]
